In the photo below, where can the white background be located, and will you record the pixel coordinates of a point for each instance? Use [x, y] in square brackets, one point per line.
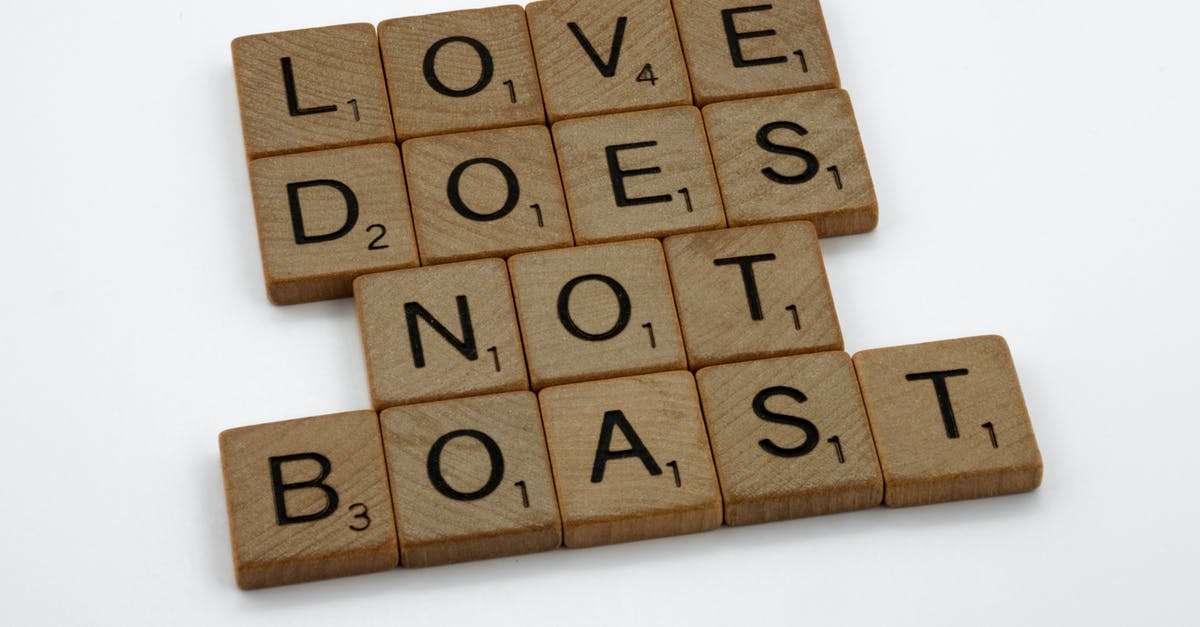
[1036, 166]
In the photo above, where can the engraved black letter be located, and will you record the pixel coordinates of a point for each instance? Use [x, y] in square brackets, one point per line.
[433, 464]
[413, 312]
[617, 176]
[943, 395]
[624, 308]
[733, 37]
[811, 436]
[293, 192]
[747, 265]
[510, 181]
[812, 166]
[485, 71]
[607, 68]
[279, 488]
[603, 453]
[289, 86]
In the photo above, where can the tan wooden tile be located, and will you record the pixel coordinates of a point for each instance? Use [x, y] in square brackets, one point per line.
[605, 57]
[460, 71]
[439, 332]
[641, 174]
[308, 499]
[486, 194]
[326, 217]
[741, 50]
[471, 479]
[596, 312]
[793, 157]
[949, 421]
[311, 89]
[752, 292]
[790, 438]
[631, 459]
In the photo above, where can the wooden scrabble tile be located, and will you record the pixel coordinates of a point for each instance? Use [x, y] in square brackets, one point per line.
[486, 194]
[631, 459]
[311, 89]
[752, 292]
[459, 71]
[641, 174]
[737, 50]
[470, 479]
[596, 312]
[308, 499]
[949, 421]
[439, 332]
[326, 217]
[795, 157]
[605, 57]
[790, 438]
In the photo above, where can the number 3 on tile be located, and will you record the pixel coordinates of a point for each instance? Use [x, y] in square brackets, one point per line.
[360, 514]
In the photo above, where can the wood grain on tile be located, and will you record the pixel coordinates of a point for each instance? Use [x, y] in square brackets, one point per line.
[752, 292]
[793, 157]
[596, 312]
[489, 193]
[790, 438]
[311, 89]
[949, 421]
[605, 57]
[459, 71]
[326, 217]
[640, 174]
[439, 332]
[631, 459]
[308, 499]
[470, 479]
[741, 50]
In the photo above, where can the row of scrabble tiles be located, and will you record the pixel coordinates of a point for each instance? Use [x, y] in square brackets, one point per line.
[328, 216]
[595, 312]
[626, 459]
[506, 66]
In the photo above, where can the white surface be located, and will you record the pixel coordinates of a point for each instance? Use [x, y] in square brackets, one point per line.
[1035, 162]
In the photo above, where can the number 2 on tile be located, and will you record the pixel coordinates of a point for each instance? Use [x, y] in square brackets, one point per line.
[375, 245]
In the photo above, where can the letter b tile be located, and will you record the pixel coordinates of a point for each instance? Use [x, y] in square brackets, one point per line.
[631, 459]
[470, 479]
[439, 332]
[949, 421]
[308, 499]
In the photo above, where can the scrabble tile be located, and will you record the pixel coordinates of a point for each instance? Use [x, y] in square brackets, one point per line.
[308, 499]
[326, 217]
[641, 174]
[752, 292]
[439, 332]
[470, 479]
[949, 421]
[460, 71]
[596, 312]
[311, 89]
[790, 438]
[488, 193]
[795, 157]
[631, 459]
[606, 57]
[740, 50]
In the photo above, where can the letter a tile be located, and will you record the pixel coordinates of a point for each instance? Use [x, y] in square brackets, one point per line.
[949, 421]
[326, 217]
[439, 332]
[308, 499]
[470, 479]
[311, 89]
[790, 438]
[752, 292]
[631, 459]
